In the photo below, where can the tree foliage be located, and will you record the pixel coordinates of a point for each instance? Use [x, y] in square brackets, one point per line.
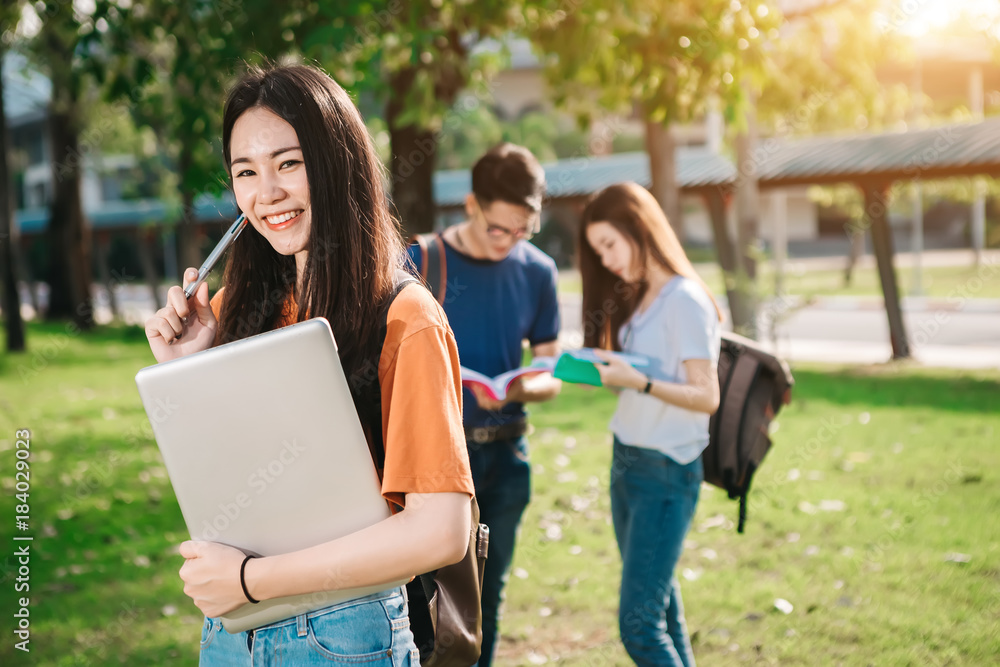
[416, 57]
[820, 73]
[176, 60]
[667, 59]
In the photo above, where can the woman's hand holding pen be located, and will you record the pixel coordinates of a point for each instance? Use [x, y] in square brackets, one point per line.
[617, 373]
[183, 326]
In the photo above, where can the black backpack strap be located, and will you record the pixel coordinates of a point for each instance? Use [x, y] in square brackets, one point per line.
[370, 409]
[744, 372]
[743, 512]
[433, 266]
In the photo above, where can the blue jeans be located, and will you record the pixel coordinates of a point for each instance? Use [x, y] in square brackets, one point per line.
[502, 476]
[653, 499]
[373, 630]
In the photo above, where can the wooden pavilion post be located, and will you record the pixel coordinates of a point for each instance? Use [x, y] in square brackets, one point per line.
[876, 217]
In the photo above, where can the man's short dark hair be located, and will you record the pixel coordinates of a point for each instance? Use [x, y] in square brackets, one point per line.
[509, 173]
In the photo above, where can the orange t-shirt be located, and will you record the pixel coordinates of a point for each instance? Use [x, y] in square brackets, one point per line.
[421, 386]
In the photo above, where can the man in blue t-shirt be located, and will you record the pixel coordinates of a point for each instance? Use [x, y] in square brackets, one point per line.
[500, 291]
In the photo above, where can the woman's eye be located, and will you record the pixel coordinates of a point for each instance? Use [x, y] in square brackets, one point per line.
[245, 172]
[290, 163]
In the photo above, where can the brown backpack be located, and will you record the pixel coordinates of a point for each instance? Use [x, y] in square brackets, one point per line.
[445, 606]
[753, 385]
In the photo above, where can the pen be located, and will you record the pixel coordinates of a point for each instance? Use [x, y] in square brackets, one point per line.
[224, 243]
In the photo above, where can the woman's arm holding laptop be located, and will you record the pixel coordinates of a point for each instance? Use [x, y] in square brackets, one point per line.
[430, 532]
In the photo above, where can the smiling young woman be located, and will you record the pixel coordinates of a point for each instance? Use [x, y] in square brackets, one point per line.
[321, 242]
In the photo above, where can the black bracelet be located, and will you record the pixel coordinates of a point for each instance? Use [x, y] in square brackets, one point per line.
[649, 385]
[243, 581]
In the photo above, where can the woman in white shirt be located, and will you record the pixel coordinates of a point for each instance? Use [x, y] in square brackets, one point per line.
[642, 296]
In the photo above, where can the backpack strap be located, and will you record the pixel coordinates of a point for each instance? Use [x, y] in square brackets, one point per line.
[370, 409]
[744, 372]
[433, 266]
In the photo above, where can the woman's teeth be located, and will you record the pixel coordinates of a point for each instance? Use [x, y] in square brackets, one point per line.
[284, 217]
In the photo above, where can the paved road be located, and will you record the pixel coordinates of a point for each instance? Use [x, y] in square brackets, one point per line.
[957, 335]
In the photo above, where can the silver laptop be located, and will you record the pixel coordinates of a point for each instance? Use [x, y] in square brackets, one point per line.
[265, 452]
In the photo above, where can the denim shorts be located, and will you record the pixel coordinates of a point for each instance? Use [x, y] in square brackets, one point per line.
[373, 631]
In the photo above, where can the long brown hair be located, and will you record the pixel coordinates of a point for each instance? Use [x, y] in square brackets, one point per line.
[354, 245]
[608, 301]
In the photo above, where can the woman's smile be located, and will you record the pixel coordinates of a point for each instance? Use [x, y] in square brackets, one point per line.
[278, 221]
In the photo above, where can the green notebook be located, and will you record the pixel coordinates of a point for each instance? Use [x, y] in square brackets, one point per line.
[578, 366]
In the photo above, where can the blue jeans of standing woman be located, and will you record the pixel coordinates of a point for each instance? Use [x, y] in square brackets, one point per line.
[653, 499]
[373, 631]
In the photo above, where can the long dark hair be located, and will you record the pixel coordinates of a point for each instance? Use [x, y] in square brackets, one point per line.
[608, 301]
[354, 245]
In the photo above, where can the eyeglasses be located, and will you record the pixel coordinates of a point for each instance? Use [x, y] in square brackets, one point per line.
[500, 232]
[497, 232]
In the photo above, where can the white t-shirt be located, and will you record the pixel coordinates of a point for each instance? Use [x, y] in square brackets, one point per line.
[680, 324]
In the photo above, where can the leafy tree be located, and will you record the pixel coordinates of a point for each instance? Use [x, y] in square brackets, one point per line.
[819, 75]
[417, 57]
[665, 62]
[464, 142]
[177, 57]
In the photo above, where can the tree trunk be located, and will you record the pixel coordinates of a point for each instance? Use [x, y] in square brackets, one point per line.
[747, 198]
[69, 236]
[741, 307]
[144, 241]
[747, 218]
[662, 150]
[414, 155]
[9, 299]
[102, 251]
[414, 148]
[857, 248]
[188, 241]
[877, 217]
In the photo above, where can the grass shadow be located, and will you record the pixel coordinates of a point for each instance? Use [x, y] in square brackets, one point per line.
[899, 385]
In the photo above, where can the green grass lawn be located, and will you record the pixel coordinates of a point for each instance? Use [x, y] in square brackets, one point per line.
[874, 517]
[941, 282]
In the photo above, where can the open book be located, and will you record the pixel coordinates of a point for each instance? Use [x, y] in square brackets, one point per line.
[497, 387]
[572, 366]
